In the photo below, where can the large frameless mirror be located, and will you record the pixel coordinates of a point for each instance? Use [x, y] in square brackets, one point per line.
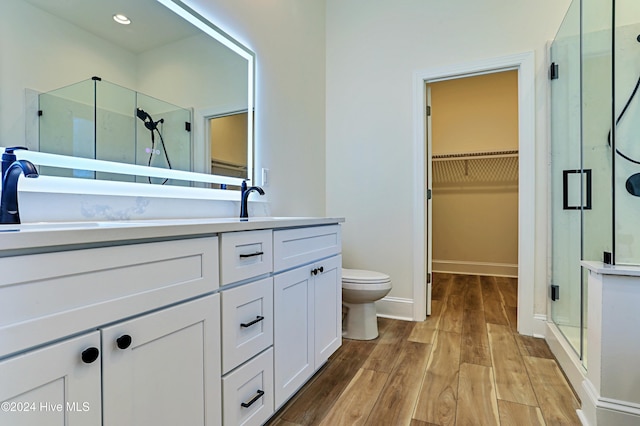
[145, 82]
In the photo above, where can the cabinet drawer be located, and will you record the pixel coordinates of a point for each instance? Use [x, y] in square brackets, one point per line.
[245, 255]
[48, 296]
[293, 247]
[248, 392]
[247, 322]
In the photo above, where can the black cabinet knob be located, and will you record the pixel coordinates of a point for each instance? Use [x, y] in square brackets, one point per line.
[90, 355]
[321, 269]
[314, 271]
[124, 341]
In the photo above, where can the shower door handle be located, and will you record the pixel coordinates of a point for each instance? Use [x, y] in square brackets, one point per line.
[567, 175]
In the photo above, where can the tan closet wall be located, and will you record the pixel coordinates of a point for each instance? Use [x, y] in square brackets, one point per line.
[229, 144]
[475, 199]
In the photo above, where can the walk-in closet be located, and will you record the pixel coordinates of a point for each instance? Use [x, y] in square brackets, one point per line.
[474, 131]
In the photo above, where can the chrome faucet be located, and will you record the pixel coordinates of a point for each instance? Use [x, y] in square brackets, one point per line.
[244, 196]
[9, 213]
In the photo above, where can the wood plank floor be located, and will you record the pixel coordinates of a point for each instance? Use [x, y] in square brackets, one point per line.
[464, 365]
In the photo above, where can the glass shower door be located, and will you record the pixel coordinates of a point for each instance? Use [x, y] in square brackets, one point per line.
[567, 179]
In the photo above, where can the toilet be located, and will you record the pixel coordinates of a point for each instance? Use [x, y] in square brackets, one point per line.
[360, 290]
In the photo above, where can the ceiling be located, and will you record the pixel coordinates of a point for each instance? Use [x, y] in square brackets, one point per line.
[152, 24]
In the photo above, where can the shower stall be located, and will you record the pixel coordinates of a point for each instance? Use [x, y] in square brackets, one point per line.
[101, 120]
[595, 153]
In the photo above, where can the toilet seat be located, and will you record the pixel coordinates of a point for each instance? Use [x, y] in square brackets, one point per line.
[359, 276]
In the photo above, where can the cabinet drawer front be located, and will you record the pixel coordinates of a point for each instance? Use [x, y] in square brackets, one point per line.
[245, 255]
[247, 322]
[293, 247]
[71, 291]
[248, 392]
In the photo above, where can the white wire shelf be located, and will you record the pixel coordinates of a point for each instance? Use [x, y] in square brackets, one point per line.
[491, 167]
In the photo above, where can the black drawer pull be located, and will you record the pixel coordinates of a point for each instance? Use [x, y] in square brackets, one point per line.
[254, 399]
[249, 324]
[244, 256]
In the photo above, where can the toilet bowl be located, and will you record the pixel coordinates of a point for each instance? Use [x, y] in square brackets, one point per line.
[360, 290]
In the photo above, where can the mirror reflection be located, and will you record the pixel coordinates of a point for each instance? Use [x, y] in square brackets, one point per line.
[165, 93]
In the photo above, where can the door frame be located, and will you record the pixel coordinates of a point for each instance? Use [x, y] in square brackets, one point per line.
[524, 63]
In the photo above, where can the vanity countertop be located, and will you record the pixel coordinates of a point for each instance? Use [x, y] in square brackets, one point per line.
[51, 236]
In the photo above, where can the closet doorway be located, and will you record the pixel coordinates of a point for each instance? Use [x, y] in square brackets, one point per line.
[474, 154]
[484, 173]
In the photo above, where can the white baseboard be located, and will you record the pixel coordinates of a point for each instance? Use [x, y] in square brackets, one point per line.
[475, 268]
[395, 308]
[607, 411]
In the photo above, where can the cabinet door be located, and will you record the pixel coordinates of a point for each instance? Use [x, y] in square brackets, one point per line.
[53, 385]
[293, 332]
[164, 368]
[327, 297]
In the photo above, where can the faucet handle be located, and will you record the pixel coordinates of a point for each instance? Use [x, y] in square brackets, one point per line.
[8, 157]
[10, 149]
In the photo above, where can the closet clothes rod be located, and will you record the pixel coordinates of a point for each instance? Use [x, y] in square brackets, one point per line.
[476, 155]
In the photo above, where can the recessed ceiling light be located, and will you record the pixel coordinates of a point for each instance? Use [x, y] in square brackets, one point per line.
[121, 19]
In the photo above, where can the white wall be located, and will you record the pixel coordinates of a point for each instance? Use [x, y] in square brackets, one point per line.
[373, 49]
[31, 59]
[288, 37]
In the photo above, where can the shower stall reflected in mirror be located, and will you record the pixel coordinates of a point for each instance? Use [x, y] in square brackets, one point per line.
[595, 153]
[101, 120]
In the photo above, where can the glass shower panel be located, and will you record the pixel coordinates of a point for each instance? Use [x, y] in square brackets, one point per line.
[627, 131]
[597, 139]
[597, 56]
[566, 177]
[66, 126]
[115, 107]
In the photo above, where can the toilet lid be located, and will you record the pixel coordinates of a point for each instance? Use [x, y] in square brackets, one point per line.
[363, 277]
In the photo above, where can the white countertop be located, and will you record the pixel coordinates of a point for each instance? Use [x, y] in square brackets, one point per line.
[25, 238]
[606, 269]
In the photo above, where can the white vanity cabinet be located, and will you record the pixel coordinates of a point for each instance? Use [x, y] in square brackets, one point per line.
[219, 325]
[307, 304]
[148, 351]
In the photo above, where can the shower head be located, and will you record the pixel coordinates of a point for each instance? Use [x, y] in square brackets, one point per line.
[148, 121]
